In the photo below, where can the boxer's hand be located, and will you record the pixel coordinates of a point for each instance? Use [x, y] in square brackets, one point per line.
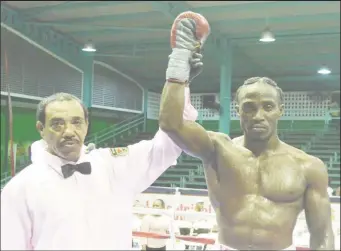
[188, 34]
[196, 65]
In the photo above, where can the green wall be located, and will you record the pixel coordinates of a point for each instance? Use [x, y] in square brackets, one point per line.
[152, 125]
[98, 124]
[24, 131]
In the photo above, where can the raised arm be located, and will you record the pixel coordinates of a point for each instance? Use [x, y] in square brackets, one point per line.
[189, 135]
[317, 207]
[187, 36]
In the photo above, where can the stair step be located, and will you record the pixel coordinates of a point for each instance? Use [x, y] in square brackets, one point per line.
[200, 179]
[166, 183]
[181, 172]
[196, 185]
[170, 179]
[335, 183]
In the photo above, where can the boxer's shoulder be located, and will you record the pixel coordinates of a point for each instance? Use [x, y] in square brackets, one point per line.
[218, 136]
[309, 163]
[298, 154]
[314, 168]
[238, 140]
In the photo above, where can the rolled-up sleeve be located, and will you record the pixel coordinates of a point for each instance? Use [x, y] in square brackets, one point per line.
[15, 220]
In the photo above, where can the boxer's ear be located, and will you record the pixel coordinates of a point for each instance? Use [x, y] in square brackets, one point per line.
[237, 110]
[281, 109]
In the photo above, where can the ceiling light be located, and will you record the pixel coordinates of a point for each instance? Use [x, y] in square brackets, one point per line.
[89, 47]
[324, 71]
[267, 36]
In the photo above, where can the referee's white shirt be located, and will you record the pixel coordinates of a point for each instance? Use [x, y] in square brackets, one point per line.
[41, 210]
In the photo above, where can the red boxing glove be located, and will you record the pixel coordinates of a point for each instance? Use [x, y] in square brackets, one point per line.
[201, 32]
[189, 32]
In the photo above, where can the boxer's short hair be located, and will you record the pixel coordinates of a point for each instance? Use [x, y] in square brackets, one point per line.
[266, 80]
[61, 96]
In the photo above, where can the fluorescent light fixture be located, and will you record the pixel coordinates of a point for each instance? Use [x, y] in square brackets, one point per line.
[267, 36]
[324, 71]
[89, 47]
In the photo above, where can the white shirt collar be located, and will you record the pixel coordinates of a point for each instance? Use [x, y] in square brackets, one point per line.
[40, 156]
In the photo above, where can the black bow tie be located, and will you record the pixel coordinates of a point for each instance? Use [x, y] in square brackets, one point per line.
[69, 169]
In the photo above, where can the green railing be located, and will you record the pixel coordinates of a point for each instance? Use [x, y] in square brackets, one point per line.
[92, 137]
[117, 130]
[114, 131]
[6, 176]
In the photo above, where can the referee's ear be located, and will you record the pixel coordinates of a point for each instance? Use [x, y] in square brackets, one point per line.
[40, 128]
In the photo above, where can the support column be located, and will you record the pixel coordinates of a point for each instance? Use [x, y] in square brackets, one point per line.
[225, 86]
[88, 71]
[145, 108]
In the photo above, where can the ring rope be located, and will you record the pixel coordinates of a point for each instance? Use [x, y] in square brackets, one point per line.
[195, 239]
[170, 213]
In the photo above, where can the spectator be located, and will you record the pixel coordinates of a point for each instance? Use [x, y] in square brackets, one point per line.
[159, 224]
[199, 206]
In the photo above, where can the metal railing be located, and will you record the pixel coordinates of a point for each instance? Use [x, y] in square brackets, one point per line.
[7, 176]
[111, 132]
[333, 159]
[111, 128]
[116, 130]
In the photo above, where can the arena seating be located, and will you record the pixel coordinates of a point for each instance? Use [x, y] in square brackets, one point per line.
[189, 172]
[326, 146]
[298, 139]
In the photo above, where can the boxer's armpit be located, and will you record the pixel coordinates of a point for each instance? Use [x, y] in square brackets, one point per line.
[317, 207]
[188, 135]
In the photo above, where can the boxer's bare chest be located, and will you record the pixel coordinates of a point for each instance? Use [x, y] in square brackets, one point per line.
[278, 177]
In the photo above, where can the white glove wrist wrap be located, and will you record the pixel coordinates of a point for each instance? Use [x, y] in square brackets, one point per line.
[178, 65]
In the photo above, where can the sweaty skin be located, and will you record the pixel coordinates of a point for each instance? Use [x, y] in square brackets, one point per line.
[257, 184]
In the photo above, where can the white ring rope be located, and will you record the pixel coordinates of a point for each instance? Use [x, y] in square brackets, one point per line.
[170, 213]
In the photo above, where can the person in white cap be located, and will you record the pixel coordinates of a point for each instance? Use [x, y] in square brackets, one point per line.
[73, 199]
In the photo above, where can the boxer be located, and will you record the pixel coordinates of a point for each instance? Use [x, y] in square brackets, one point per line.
[257, 184]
